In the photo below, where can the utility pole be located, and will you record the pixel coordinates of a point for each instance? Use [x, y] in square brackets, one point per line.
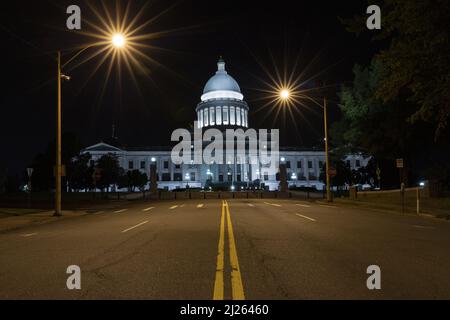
[58, 146]
[327, 160]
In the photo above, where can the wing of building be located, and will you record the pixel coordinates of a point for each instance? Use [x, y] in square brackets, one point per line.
[222, 106]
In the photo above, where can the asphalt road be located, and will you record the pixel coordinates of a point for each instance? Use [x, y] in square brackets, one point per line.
[241, 249]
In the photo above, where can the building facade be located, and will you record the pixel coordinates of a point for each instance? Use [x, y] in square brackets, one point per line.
[223, 107]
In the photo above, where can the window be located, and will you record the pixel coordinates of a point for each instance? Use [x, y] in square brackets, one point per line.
[310, 164]
[91, 163]
[243, 117]
[130, 165]
[218, 116]
[212, 116]
[288, 164]
[358, 163]
[165, 177]
[205, 117]
[320, 164]
[220, 177]
[225, 115]
[238, 116]
[232, 116]
[238, 178]
[200, 118]
[266, 177]
[246, 118]
[177, 177]
[348, 163]
[178, 166]
[142, 164]
[166, 164]
[301, 176]
[299, 164]
[192, 174]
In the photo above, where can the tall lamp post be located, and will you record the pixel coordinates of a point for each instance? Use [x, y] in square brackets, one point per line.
[327, 158]
[286, 95]
[117, 41]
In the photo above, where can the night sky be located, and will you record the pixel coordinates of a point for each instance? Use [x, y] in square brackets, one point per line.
[246, 33]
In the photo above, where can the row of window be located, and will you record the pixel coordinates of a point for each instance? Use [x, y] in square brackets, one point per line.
[176, 177]
[300, 164]
[143, 165]
[222, 116]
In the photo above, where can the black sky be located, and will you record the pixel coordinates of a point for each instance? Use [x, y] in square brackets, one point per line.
[243, 32]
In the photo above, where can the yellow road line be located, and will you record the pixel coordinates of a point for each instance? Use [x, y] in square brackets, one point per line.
[200, 205]
[148, 209]
[120, 211]
[173, 207]
[218, 283]
[236, 278]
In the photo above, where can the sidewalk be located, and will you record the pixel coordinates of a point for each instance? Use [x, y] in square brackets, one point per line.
[390, 208]
[19, 221]
[18, 218]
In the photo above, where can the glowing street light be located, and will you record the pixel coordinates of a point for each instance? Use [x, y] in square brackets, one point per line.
[285, 94]
[118, 40]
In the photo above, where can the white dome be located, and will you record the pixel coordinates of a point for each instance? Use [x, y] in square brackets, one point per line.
[221, 85]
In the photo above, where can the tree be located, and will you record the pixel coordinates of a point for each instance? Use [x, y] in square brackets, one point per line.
[109, 170]
[417, 61]
[79, 172]
[132, 179]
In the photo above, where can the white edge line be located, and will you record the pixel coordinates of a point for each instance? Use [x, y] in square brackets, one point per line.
[302, 216]
[138, 225]
[29, 235]
[326, 206]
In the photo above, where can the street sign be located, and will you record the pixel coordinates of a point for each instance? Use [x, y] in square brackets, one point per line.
[400, 163]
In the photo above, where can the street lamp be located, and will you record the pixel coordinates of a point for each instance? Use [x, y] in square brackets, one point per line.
[285, 96]
[118, 41]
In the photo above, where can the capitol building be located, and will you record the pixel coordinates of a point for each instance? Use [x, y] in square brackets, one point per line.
[222, 106]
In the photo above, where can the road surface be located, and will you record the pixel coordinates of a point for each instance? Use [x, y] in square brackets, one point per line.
[235, 249]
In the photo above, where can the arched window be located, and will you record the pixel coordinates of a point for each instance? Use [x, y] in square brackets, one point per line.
[225, 115]
[212, 116]
[232, 116]
[238, 116]
[242, 116]
[219, 115]
[205, 116]
[200, 118]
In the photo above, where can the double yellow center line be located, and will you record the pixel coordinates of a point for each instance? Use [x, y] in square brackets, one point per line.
[237, 288]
